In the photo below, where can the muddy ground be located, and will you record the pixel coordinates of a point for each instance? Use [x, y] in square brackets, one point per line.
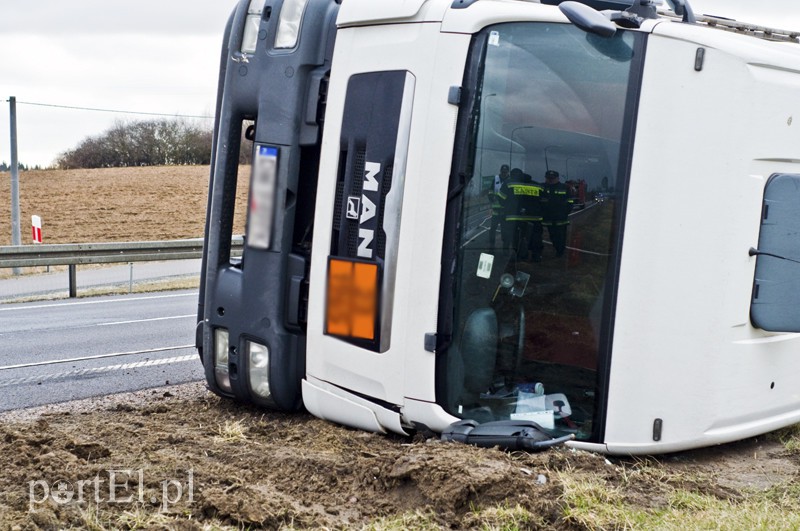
[182, 458]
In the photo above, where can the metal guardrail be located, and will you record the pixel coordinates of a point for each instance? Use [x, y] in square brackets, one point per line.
[105, 253]
[74, 254]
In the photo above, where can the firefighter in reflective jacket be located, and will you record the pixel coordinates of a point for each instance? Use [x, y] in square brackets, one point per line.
[521, 200]
[556, 206]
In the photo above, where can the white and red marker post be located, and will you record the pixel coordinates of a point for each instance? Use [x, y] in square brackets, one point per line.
[36, 229]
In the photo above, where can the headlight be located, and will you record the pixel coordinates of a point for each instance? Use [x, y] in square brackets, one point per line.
[251, 25]
[258, 358]
[221, 347]
[289, 23]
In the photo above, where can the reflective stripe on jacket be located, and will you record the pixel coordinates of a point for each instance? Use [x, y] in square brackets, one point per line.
[522, 201]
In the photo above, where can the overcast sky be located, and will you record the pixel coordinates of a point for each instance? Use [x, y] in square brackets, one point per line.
[147, 55]
[153, 56]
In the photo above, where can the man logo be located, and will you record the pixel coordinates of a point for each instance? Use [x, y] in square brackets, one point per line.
[369, 188]
[353, 207]
[365, 208]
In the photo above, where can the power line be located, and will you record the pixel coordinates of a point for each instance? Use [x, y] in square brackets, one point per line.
[116, 111]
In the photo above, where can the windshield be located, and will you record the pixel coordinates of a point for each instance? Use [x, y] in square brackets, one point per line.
[538, 223]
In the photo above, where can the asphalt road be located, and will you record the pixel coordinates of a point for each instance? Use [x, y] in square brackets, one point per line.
[136, 342]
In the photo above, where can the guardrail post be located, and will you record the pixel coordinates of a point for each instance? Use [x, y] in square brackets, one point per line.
[73, 281]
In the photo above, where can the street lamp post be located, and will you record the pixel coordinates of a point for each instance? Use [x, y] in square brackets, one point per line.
[511, 141]
[581, 160]
[15, 223]
[546, 158]
[483, 128]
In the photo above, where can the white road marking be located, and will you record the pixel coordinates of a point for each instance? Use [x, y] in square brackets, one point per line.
[485, 230]
[147, 320]
[104, 301]
[585, 251]
[97, 357]
[96, 370]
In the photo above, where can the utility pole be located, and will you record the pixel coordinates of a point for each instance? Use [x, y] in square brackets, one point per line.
[16, 238]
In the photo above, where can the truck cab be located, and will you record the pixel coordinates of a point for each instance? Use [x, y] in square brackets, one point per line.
[376, 292]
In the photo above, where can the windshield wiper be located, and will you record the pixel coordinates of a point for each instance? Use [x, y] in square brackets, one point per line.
[756, 252]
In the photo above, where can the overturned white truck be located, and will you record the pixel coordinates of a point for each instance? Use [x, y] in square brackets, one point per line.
[380, 288]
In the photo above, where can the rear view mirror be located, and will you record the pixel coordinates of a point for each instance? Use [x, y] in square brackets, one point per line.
[588, 19]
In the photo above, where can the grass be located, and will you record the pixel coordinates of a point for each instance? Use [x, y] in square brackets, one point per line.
[8, 272]
[419, 520]
[92, 519]
[504, 518]
[145, 287]
[141, 520]
[493, 518]
[120, 289]
[789, 437]
[590, 501]
[231, 431]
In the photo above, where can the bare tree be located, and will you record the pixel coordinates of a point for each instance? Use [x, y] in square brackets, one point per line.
[142, 143]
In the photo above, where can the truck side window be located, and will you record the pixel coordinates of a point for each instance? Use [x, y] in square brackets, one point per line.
[776, 288]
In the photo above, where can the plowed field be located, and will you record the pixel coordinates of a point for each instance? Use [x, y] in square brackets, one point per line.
[113, 204]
